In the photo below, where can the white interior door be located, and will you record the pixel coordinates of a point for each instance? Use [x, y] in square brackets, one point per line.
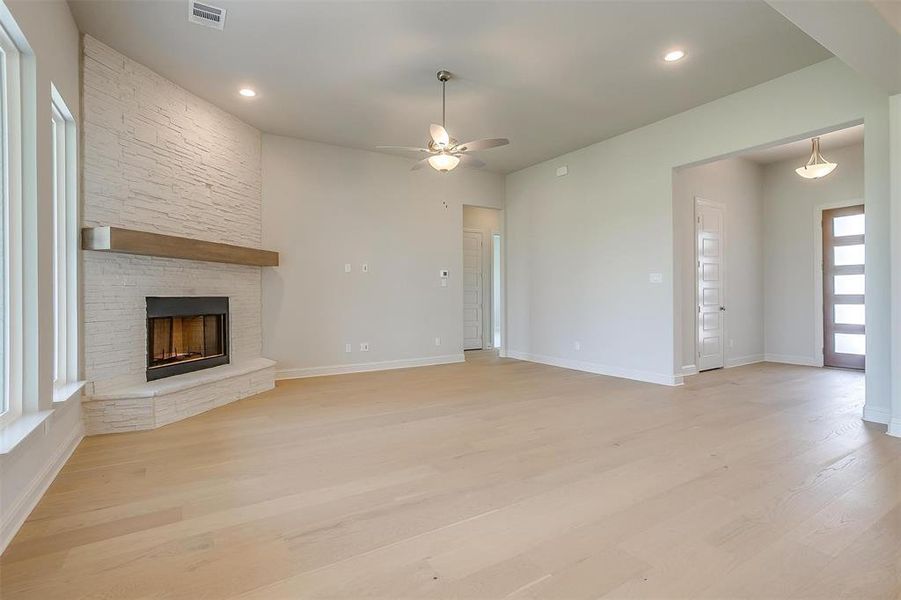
[711, 303]
[472, 290]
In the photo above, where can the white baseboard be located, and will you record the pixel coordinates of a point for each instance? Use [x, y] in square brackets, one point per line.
[15, 516]
[789, 359]
[689, 370]
[894, 427]
[578, 365]
[881, 416]
[740, 361]
[383, 365]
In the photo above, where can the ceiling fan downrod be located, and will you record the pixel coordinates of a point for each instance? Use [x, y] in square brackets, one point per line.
[443, 76]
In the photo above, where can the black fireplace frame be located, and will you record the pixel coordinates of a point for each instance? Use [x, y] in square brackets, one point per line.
[187, 306]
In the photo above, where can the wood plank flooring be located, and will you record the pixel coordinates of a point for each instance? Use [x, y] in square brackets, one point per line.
[490, 479]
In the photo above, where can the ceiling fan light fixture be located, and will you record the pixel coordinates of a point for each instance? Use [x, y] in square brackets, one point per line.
[444, 162]
[674, 55]
[817, 166]
[444, 153]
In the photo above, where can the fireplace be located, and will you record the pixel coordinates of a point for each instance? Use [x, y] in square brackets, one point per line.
[185, 334]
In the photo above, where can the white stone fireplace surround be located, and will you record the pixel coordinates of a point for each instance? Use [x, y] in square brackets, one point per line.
[159, 159]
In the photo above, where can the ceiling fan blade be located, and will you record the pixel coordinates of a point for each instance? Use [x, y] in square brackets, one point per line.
[421, 163]
[467, 160]
[407, 148]
[439, 135]
[481, 144]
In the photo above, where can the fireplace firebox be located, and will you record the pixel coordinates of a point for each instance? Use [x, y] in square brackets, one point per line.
[185, 334]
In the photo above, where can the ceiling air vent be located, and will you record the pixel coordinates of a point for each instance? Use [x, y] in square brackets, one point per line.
[204, 14]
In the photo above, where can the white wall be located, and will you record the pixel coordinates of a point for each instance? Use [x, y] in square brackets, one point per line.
[791, 208]
[31, 465]
[736, 183]
[488, 222]
[324, 206]
[580, 248]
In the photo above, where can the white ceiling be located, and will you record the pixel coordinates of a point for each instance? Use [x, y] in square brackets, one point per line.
[801, 148]
[551, 76]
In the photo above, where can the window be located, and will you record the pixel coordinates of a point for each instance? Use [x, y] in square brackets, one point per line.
[65, 269]
[10, 230]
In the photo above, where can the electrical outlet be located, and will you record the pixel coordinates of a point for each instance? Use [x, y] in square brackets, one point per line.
[437, 341]
[364, 346]
[577, 345]
[347, 348]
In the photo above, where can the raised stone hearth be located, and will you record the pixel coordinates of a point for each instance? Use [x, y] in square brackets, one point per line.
[164, 401]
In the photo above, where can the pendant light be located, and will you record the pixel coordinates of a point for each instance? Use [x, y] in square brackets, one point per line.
[817, 166]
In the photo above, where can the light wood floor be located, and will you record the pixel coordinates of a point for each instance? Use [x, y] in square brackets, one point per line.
[490, 479]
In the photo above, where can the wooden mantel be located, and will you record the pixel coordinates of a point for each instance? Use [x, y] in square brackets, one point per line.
[130, 241]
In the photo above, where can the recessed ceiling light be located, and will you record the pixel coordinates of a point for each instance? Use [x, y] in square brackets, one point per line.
[247, 92]
[674, 55]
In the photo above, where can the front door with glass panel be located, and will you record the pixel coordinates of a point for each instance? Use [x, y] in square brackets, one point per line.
[844, 327]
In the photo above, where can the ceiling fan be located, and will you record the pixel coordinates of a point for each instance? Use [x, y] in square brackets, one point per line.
[444, 152]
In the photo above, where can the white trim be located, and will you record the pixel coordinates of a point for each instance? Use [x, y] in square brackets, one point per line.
[894, 427]
[65, 241]
[502, 351]
[697, 307]
[67, 391]
[384, 365]
[689, 370]
[789, 359]
[16, 515]
[877, 415]
[818, 318]
[599, 369]
[12, 141]
[499, 257]
[740, 361]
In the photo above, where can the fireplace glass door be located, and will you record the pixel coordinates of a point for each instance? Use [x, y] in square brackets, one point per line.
[182, 339]
[185, 334]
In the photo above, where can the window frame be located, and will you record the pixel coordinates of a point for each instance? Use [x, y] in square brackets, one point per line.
[11, 181]
[65, 244]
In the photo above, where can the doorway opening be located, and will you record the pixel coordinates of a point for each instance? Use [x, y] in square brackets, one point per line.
[482, 291]
[769, 261]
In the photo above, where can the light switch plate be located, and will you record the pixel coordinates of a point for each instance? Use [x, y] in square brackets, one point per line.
[364, 347]
[655, 277]
[347, 348]
[365, 268]
[561, 171]
[347, 267]
[437, 341]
